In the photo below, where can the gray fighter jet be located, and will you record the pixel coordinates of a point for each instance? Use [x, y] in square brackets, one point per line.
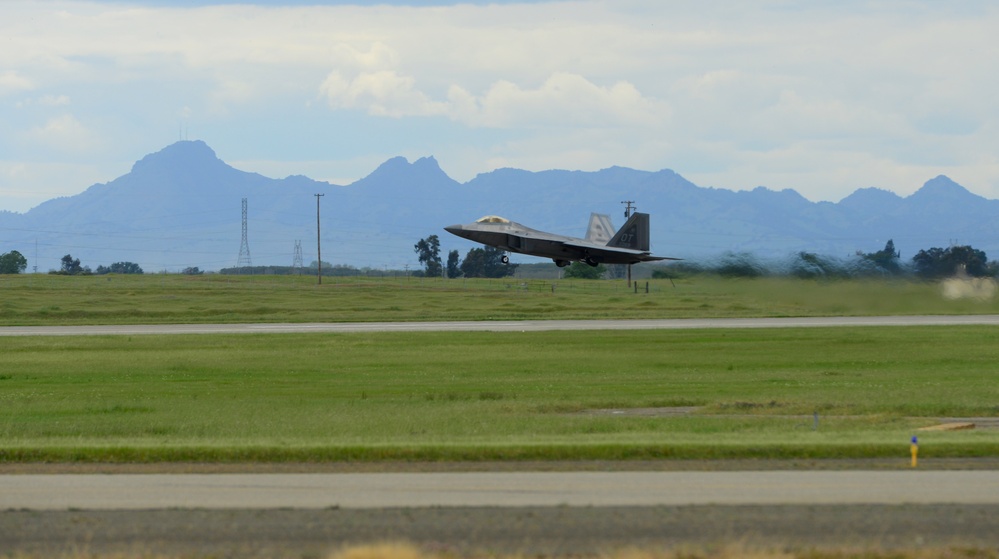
[630, 245]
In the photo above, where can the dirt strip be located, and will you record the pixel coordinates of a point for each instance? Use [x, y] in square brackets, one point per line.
[530, 532]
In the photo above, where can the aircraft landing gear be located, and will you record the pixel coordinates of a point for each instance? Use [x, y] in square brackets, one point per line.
[592, 261]
[505, 259]
[561, 263]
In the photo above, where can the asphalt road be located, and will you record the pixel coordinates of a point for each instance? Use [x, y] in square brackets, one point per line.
[564, 514]
[496, 489]
[501, 326]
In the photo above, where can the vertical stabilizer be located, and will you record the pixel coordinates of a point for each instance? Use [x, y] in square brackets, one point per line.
[600, 229]
[634, 234]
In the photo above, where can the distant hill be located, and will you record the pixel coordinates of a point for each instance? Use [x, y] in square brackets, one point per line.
[181, 207]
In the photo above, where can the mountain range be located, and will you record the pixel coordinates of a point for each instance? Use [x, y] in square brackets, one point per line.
[181, 207]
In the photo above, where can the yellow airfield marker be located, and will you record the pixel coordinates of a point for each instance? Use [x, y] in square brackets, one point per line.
[914, 449]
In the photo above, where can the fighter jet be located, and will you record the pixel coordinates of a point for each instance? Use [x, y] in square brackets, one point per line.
[630, 245]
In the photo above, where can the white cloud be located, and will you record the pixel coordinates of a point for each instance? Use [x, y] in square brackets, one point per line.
[378, 56]
[380, 93]
[45, 101]
[13, 81]
[229, 91]
[64, 133]
[823, 97]
[53, 100]
[563, 100]
[13, 171]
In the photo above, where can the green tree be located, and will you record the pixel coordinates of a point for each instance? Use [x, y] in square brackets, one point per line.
[808, 265]
[429, 254]
[120, 268]
[886, 259]
[12, 262]
[486, 263]
[739, 265]
[453, 264]
[71, 266]
[938, 262]
[585, 271]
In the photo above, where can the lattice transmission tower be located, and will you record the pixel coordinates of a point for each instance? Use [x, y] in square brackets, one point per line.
[244, 246]
[296, 262]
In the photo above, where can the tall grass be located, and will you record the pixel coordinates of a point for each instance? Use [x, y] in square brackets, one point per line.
[471, 395]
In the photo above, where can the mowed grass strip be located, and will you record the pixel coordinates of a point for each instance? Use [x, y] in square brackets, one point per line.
[163, 299]
[487, 396]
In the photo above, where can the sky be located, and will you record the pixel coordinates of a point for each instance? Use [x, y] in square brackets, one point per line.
[823, 97]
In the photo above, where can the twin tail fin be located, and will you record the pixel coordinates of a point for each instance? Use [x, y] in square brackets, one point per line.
[634, 234]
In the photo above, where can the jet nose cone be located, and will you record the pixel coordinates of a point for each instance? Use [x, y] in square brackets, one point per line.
[454, 229]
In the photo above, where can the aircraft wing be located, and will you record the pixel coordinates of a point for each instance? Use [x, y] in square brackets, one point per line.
[614, 255]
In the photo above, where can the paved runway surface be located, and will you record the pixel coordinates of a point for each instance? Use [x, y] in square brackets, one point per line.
[496, 489]
[310, 515]
[502, 326]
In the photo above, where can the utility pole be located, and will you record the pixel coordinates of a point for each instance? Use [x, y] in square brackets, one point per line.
[296, 260]
[244, 262]
[628, 208]
[319, 250]
[627, 215]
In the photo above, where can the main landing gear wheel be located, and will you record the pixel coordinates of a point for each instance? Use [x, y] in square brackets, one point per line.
[592, 261]
[505, 259]
[561, 263]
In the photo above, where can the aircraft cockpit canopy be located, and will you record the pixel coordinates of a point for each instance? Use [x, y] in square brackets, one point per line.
[492, 219]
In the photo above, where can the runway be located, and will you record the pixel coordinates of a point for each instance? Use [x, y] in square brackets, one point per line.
[502, 326]
[553, 514]
[495, 489]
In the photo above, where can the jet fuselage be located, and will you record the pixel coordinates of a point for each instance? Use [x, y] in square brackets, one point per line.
[629, 245]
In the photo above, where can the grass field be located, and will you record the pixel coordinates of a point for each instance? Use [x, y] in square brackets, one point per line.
[479, 396]
[476, 396]
[784, 393]
[123, 299]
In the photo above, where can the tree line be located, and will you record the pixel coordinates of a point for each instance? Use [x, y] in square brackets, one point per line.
[14, 262]
[487, 262]
[927, 264]
[71, 267]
